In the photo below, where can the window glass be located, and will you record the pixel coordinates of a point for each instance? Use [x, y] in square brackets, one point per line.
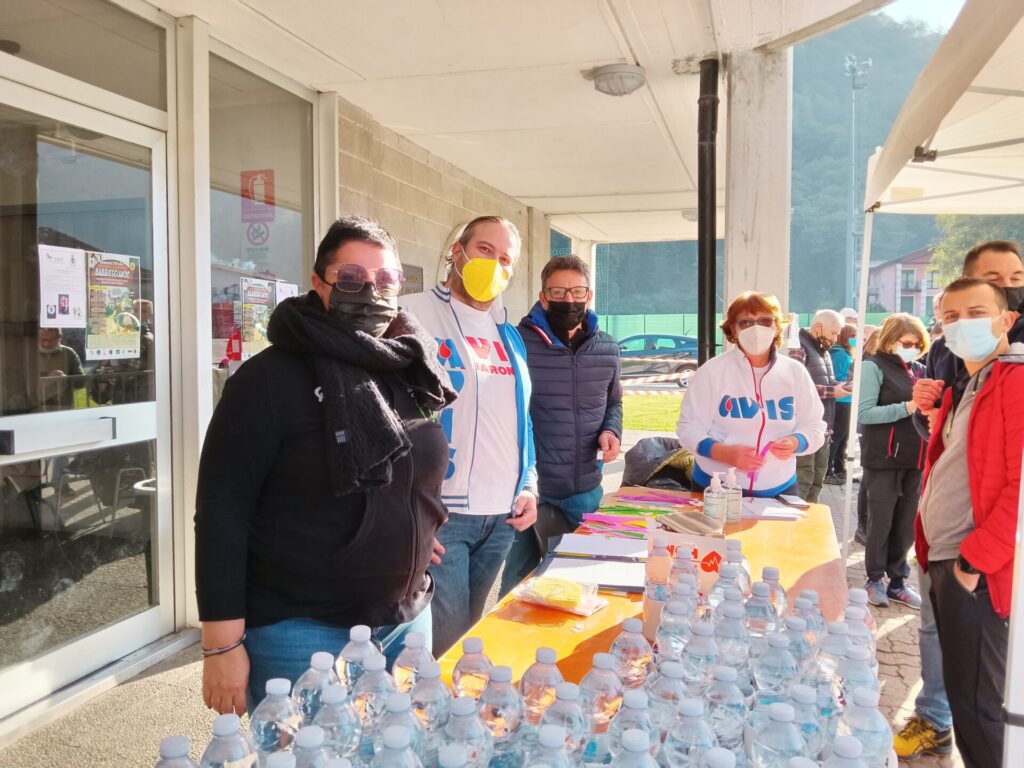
[665, 343]
[633, 345]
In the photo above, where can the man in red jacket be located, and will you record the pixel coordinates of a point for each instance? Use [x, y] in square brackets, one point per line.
[967, 523]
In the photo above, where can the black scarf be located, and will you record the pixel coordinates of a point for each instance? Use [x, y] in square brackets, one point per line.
[364, 435]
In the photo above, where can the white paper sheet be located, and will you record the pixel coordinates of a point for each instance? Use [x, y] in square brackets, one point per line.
[769, 509]
[604, 573]
[578, 544]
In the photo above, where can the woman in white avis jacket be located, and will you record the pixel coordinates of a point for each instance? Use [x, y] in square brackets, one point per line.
[751, 408]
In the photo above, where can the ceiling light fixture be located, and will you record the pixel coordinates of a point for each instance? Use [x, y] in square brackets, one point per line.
[619, 79]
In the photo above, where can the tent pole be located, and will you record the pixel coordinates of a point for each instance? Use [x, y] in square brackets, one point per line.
[1013, 706]
[707, 208]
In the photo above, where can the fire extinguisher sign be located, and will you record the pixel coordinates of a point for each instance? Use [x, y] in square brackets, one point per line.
[258, 196]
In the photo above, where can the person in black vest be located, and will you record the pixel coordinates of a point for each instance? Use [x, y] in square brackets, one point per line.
[576, 407]
[892, 454]
[814, 345]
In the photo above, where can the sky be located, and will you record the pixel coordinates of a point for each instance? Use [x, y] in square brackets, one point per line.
[937, 13]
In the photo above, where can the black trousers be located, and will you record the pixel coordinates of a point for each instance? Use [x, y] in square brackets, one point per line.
[892, 496]
[974, 640]
[840, 436]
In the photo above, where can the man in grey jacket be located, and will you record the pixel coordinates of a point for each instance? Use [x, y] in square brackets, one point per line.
[576, 407]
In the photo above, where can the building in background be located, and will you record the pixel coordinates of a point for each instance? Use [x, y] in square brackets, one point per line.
[907, 283]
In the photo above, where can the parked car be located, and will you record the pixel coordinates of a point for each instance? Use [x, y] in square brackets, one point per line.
[652, 354]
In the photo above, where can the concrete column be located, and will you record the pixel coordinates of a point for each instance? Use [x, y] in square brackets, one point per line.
[757, 194]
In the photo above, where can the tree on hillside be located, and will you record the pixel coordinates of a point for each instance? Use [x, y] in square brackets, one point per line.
[958, 234]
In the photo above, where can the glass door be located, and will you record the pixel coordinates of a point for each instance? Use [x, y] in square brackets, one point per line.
[85, 531]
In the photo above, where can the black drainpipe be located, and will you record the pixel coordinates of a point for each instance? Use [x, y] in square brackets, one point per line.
[707, 127]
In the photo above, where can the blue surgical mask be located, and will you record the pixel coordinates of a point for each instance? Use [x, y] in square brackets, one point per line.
[853, 341]
[908, 355]
[971, 339]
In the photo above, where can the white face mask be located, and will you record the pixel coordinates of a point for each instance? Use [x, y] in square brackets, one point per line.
[908, 355]
[757, 339]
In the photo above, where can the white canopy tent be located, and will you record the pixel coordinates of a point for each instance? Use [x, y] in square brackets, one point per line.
[957, 146]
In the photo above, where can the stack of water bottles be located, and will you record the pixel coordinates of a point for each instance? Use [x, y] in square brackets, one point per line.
[743, 677]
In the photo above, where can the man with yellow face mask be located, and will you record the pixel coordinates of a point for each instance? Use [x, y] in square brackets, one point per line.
[490, 487]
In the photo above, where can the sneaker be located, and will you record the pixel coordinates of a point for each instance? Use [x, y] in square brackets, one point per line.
[920, 737]
[877, 594]
[834, 480]
[903, 593]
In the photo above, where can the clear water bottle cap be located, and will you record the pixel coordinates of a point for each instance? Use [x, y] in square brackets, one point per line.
[633, 625]
[682, 589]
[415, 640]
[688, 578]
[226, 725]
[810, 594]
[501, 674]
[672, 669]
[801, 762]
[430, 670]
[659, 541]
[761, 589]
[374, 663]
[635, 740]
[399, 702]
[733, 595]
[733, 544]
[781, 712]
[395, 737]
[733, 556]
[279, 760]
[703, 629]
[322, 661]
[858, 653]
[728, 571]
[551, 736]
[678, 608]
[691, 708]
[725, 674]
[718, 757]
[604, 661]
[472, 645]
[796, 623]
[567, 692]
[770, 573]
[865, 697]
[855, 612]
[848, 747]
[682, 553]
[802, 604]
[334, 694]
[338, 762]
[310, 737]
[732, 610]
[803, 694]
[838, 628]
[463, 706]
[857, 596]
[634, 698]
[452, 756]
[278, 686]
[174, 746]
[778, 640]
[360, 633]
[546, 655]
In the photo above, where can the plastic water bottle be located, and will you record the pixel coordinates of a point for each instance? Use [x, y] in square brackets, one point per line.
[692, 594]
[501, 709]
[632, 654]
[276, 719]
[821, 677]
[357, 650]
[452, 756]
[229, 748]
[727, 711]
[801, 762]
[774, 672]
[714, 502]
[664, 692]
[673, 632]
[846, 753]
[396, 750]
[600, 698]
[334, 762]
[689, 738]
[858, 596]
[833, 647]
[762, 619]
[799, 645]
[636, 746]
[732, 597]
[308, 688]
[815, 619]
[855, 673]
[734, 555]
[863, 720]
[807, 719]
[549, 752]
[779, 740]
[466, 728]
[726, 580]
[700, 655]
[279, 760]
[770, 576]
[733, 642]
[733, 497]
[409, 662]
[859, 633]
[682, 563]
[656, 585]
[308, 748]
[473, 670]
[537, 685]
[174, 753]
[399, 712]
[432, 704]
[632, 714]
[802, 609]
[338, 717]
[567, 713]
[370, 698]
[684, 593]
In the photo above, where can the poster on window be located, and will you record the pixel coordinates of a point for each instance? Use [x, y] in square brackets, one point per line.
[113, 331]
[62, 288]
[257, 304]
[285, 290]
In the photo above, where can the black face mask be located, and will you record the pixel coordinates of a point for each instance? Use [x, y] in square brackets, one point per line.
[566, 315]
[1015, 298]
[364, 311]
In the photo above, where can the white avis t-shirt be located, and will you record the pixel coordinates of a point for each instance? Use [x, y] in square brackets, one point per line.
[496, 454]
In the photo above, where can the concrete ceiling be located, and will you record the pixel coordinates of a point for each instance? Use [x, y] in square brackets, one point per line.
[498, 88]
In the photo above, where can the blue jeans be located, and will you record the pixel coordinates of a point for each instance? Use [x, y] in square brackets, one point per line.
[284, 649]
[931, 703]
[475, 548]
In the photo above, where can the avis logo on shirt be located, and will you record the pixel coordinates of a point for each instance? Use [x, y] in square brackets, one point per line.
[746, 408]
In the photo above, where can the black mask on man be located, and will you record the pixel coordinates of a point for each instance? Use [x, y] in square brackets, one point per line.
[1015, 297]
[364, 310]
[566, 315]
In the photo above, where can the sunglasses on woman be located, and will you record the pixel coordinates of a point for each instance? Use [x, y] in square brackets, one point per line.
[350, 278]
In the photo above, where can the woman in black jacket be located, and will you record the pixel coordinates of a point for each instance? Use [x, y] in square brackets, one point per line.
[892, 454]
[319, 483]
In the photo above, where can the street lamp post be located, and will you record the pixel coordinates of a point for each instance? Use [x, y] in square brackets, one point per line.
[857, 70]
